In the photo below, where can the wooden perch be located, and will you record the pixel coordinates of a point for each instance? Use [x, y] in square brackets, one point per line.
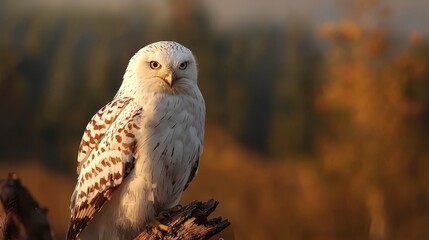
[189, 222]
[21, 217]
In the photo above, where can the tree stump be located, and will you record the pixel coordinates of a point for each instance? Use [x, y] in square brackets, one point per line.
[21, 217]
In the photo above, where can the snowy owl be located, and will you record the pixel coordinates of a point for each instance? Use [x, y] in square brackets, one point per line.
[140, 151]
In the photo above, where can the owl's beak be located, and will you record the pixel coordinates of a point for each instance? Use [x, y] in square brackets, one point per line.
[170, 78]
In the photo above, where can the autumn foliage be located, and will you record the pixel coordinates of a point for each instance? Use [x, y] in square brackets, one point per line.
[374, 104]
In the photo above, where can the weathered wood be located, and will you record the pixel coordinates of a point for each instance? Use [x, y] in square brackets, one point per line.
[21, 217]
[189, 222]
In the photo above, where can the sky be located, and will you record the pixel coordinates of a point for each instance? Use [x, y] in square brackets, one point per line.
[405, 16]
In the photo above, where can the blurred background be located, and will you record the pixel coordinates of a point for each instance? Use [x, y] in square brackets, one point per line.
[317, 111]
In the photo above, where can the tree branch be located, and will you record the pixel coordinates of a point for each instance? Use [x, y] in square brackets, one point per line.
[189, 222]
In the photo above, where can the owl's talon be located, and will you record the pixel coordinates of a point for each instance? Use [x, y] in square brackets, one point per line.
[158, 228]
[168, 212]
[164, 228]
[176, 208]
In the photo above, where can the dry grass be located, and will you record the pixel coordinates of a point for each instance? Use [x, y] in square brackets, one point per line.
[271, 199]
[263, 199]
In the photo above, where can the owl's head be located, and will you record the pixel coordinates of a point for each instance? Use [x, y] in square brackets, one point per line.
[161, 66]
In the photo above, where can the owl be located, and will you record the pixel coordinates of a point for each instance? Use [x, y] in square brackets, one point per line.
[140, 151]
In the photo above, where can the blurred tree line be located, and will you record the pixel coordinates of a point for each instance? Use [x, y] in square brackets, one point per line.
[269, 85]
[59, 67]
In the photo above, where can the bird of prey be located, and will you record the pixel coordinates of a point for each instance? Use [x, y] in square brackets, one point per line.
[140, 151]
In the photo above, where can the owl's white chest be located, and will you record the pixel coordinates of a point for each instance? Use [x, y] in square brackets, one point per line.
[170, 141]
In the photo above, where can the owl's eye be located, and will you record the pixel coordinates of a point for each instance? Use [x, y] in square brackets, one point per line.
[154, 65]
[183, 65]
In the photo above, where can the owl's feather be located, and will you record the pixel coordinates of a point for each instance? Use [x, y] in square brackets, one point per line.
[106, 157]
